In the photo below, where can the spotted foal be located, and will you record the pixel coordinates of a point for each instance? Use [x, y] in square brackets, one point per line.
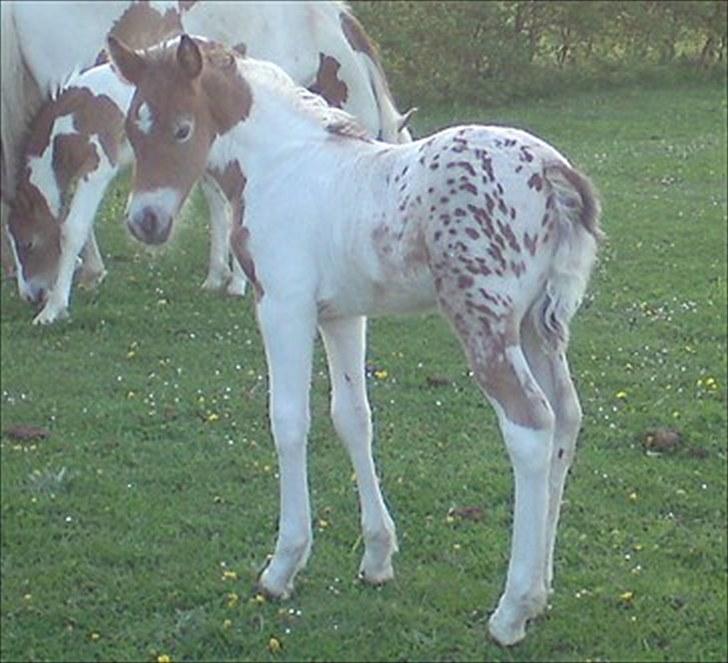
[490, 224]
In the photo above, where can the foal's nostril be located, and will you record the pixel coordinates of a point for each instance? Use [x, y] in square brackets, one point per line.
[149, 223]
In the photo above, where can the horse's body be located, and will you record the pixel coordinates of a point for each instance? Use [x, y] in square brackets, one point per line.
[320, 44]
[490, 224]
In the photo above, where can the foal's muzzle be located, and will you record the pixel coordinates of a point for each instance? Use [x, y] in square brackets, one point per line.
[150, 225]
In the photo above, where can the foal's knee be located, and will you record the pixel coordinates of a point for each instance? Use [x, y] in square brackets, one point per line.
[290, 427]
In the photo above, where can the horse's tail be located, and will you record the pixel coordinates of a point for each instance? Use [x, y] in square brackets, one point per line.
[578, 233]
[392, 125]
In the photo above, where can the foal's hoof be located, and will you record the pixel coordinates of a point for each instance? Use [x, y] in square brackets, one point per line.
[504, 633]
[49, 315]
[272, 589]
[378, 577]
[90, 280]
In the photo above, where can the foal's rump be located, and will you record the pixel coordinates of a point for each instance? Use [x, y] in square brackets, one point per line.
[512, 227]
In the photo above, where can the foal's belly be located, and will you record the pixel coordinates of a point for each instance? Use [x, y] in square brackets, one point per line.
[403, 295]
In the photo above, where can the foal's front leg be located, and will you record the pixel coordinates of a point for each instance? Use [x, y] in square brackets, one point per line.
[345, 343]
[288, 333]
[75, 231]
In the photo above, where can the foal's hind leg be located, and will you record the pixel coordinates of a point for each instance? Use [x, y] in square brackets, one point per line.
[92, 264]
[552, 373]
[344, 340]
[527, 423]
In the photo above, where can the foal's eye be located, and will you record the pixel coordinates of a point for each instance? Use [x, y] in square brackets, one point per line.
[183, 131]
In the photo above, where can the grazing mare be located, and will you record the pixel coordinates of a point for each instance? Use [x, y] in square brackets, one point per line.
[320, 44]
[491, 224]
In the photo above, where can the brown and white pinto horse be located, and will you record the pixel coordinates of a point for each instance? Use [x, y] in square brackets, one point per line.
[320, 44]
[490, 223]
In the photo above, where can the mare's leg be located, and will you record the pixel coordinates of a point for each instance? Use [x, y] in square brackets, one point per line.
[74, 233]
[552, 373]
[218, 274]
[288, 331]
[92, 270]
[218, 271]
[345, 342]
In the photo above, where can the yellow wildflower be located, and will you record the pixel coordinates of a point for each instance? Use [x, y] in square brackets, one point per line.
[229, 575]
[274, 645]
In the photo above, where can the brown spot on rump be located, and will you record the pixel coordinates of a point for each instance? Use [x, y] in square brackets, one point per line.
[328, 84]
[239, 237]
[530, 243]
[535, 182]
[141, 26]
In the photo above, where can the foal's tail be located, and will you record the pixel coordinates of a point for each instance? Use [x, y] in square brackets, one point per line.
[577, 210]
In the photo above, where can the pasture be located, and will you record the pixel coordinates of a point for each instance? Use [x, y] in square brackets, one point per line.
[136, 529]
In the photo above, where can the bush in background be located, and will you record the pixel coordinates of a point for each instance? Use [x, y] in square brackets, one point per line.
[492, 52]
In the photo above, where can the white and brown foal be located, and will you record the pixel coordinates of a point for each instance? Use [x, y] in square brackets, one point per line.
[490, 224]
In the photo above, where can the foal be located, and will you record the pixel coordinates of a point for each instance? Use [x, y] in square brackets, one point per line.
[490, 223]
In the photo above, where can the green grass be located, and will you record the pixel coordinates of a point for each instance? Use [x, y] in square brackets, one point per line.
[118, 528]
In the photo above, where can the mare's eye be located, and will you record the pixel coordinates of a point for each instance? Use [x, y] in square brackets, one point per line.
[183, 131]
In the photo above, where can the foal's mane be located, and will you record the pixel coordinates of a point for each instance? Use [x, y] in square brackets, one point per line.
[334, 120]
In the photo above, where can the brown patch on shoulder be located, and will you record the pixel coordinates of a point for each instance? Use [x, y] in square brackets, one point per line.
[141, 26]
[186, 5]
[241, 49]
[239, 243]
[328, 84]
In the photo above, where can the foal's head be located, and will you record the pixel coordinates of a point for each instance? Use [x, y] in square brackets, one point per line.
[35, 236]
[186, 95]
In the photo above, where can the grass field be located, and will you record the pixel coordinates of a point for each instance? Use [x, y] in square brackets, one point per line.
[136, 530]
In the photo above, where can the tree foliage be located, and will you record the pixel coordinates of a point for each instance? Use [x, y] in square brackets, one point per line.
[492, 51]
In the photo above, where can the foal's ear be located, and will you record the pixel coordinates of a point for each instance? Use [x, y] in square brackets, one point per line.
[189, 57]
[128, 63]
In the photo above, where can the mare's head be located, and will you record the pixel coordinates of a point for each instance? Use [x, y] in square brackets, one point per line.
[187, 93]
